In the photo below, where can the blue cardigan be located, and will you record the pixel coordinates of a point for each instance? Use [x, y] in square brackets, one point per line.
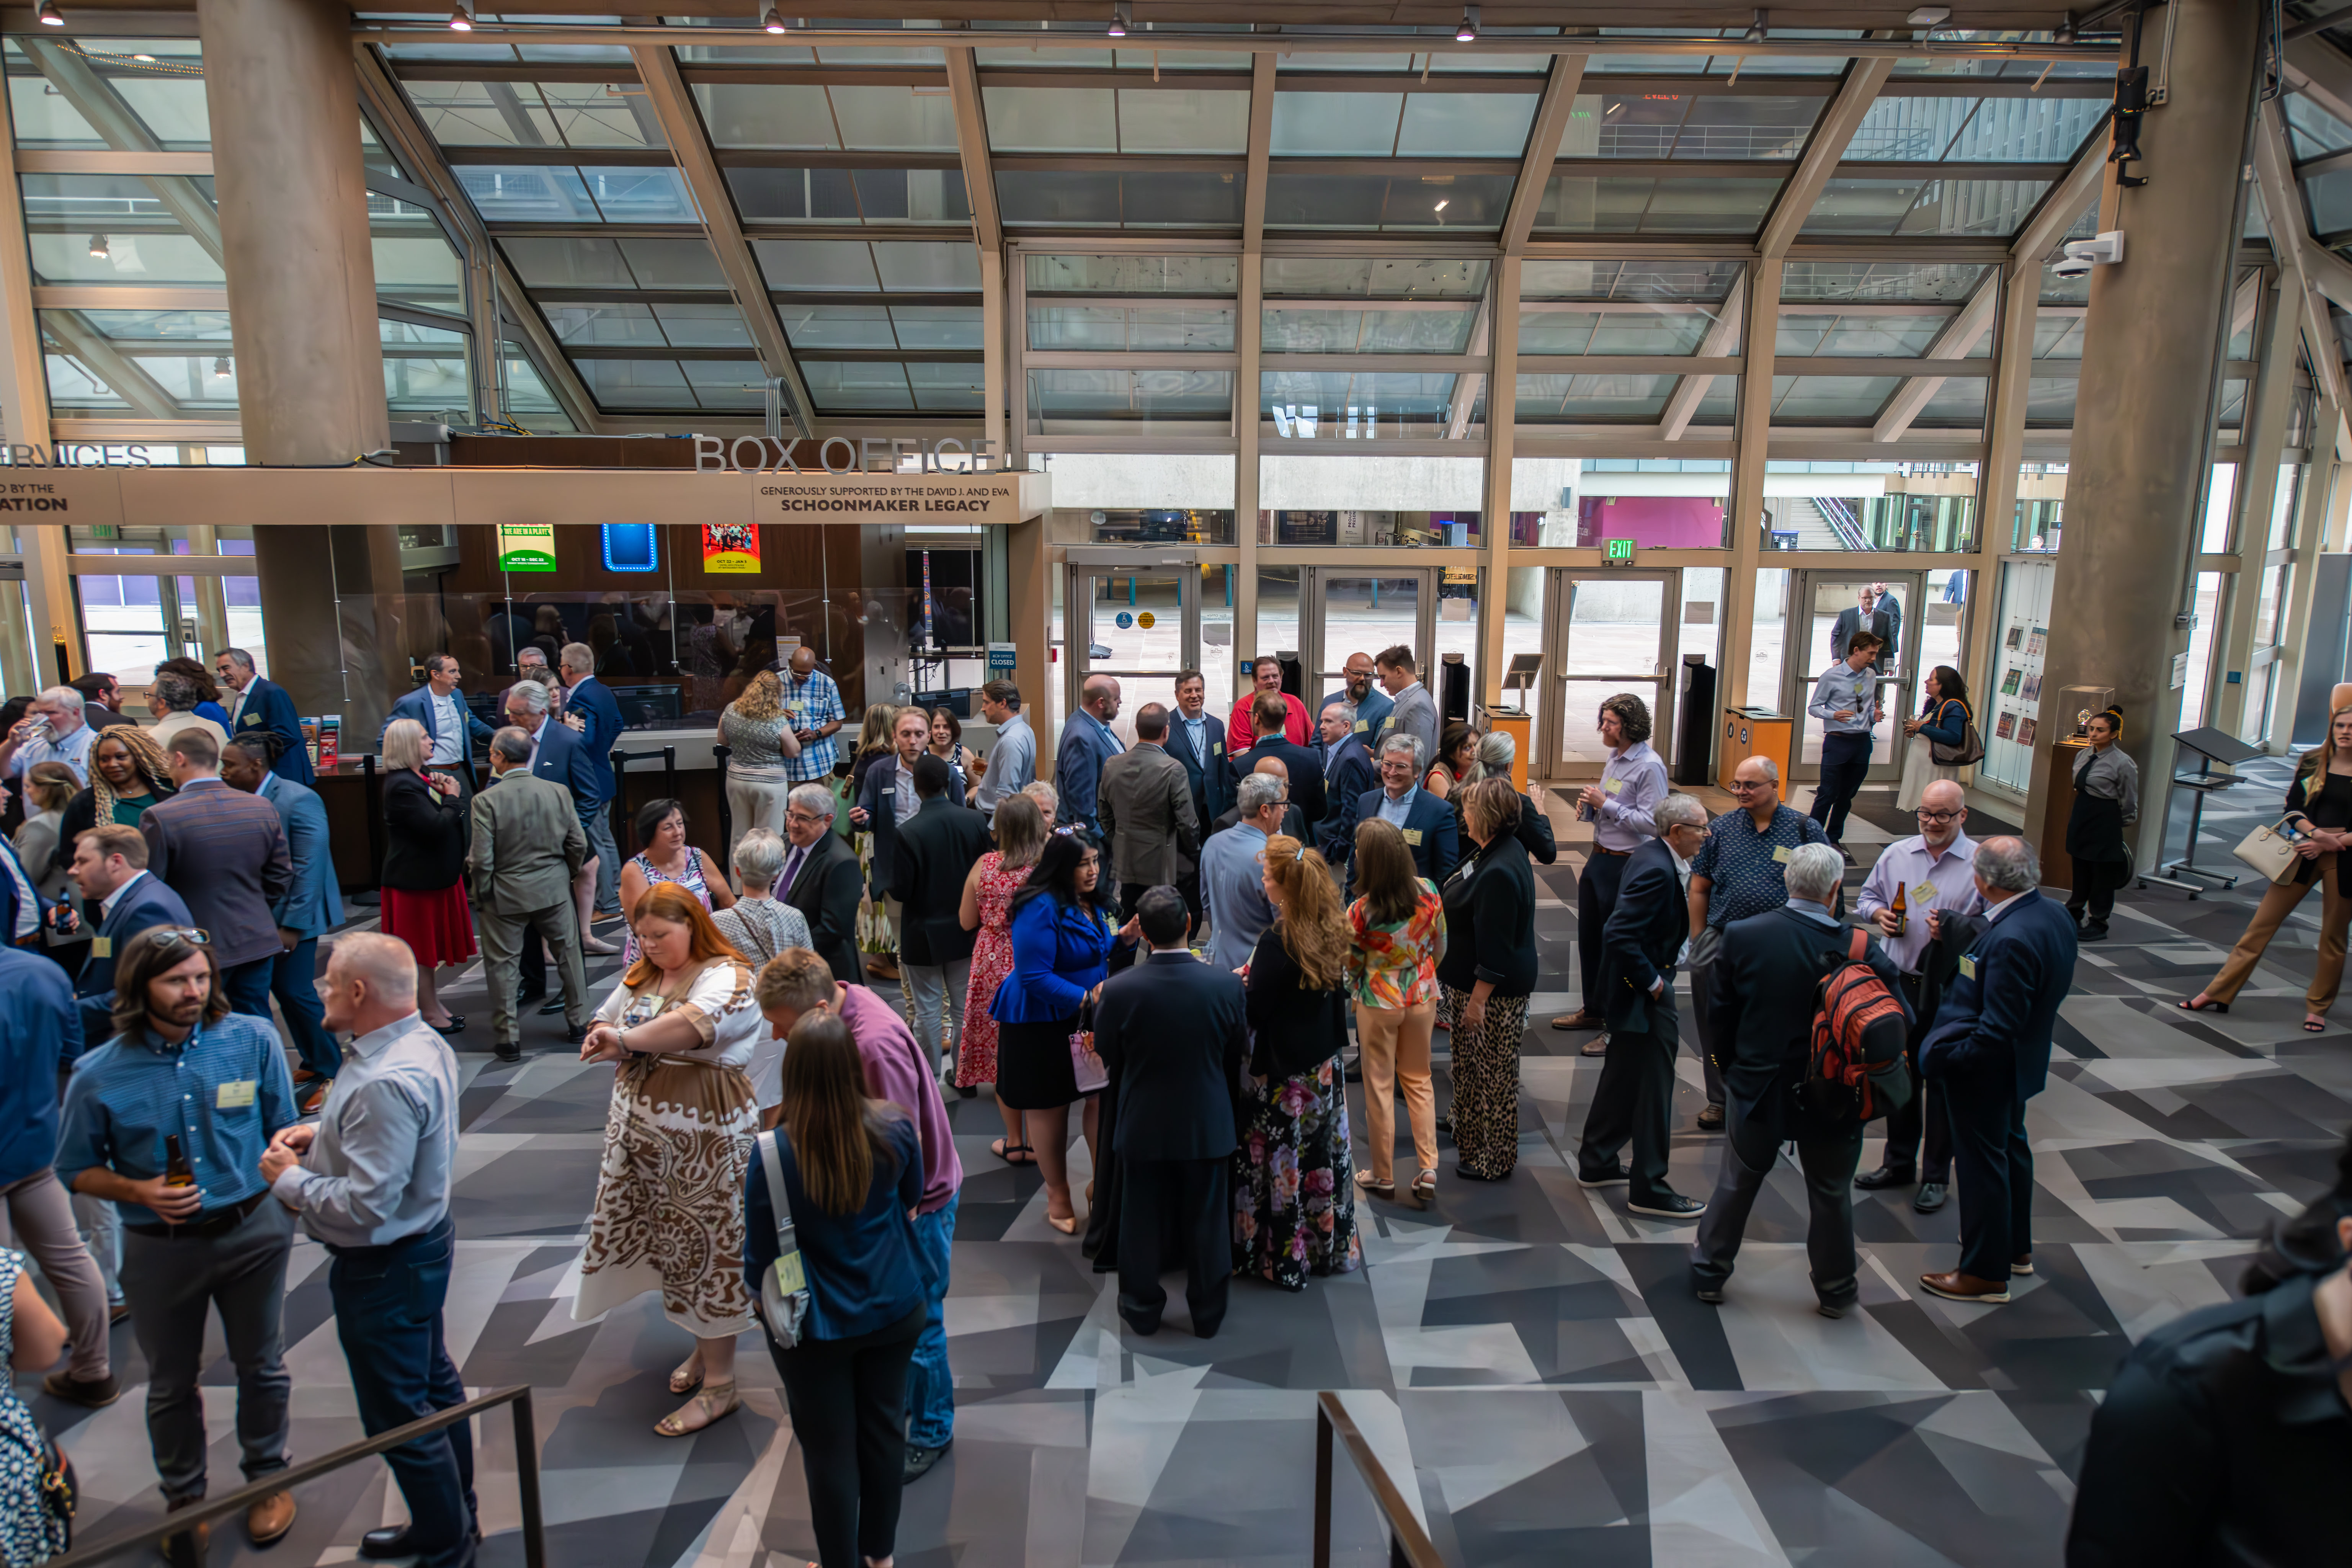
[863, 1268]
[1949, 725]
[1060, 953]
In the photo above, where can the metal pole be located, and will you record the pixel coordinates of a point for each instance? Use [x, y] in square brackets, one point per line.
[1322, 1487]
[534, 1525]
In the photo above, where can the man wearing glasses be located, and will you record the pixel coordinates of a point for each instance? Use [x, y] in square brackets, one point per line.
[1936, 870]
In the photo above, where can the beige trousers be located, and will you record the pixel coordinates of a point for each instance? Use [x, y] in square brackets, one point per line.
[1394, 1044]
[2335, 916]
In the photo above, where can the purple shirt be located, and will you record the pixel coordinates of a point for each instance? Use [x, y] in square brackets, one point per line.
[895, 1071]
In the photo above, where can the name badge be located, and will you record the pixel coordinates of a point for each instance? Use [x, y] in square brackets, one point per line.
[1779, 855]
[101, 947]
[235, 1096]
[1612, 786]
[1216, 748]
[1968, 965]
[889, 791]
[1924, 893]
[790, 1276]
[1412, 837]
[1362, 725]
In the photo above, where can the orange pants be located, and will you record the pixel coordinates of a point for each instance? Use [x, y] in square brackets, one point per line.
[2335, 916]
[1394, 1044]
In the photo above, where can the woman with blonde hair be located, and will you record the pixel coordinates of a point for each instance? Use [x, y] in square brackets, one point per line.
[49, 788]
[424, 866]
[876, 939]
[1397, 935]
[758, 730]
[1294, 1196]
[2319, 802]
[681, 1028]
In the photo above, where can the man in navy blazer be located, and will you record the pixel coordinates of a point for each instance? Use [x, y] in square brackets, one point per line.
[1304, 769]
[1347, 770]
[261, 704]
[1429, 823]
[110, 866]
[1989, 1053]
[594, 702]
[1634, 1101]
[1196, 737]
[1086, 743]
[308, 910]
[888, 798]
[558, 754]
[432, 704]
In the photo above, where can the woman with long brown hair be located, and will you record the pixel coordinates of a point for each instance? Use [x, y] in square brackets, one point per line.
[1294, 1194]
[852, 1171]
[681, 1026]
[2319, 798]
[1396, 931]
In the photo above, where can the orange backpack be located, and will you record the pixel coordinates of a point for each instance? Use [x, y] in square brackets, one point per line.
[1854, 1071]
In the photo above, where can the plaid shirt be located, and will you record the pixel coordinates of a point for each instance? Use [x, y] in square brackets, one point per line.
[816, 703]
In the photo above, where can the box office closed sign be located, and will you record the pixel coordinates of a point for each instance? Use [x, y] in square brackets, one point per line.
[906, 499]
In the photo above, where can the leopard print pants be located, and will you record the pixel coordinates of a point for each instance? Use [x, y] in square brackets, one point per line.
[1485, 1076]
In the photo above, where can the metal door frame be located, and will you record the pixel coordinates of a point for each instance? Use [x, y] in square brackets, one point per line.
[1082, 567]
[1910, 584]
[1317, 670]
[1551, 704]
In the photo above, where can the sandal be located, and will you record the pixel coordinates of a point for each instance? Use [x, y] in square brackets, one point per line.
[1425, 1184]
[708, 1403]
[689, 1375]
[1005, 1152]
[2315, 1025]
[2209, 1006]
[1374, 1185]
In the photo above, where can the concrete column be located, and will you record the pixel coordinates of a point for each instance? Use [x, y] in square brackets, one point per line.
[283, 96]
[1744, 500]
[2144, 413]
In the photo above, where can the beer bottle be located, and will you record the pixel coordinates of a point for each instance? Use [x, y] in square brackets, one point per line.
[176, 1172]
[1902, 915]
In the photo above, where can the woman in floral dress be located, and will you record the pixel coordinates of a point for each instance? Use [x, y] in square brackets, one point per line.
[1294, 1194]
[988, 909]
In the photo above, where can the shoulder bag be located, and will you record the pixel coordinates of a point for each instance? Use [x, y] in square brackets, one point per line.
[1969, 752]
[784, 1298]
[2269, 852]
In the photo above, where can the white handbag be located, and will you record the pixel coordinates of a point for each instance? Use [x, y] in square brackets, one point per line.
[2269, 852]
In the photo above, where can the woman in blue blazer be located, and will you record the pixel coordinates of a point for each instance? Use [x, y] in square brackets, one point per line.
[1062, 942]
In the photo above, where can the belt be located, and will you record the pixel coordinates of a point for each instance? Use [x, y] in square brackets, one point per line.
[1613, 854]
[438, 1230]
[219, 1222]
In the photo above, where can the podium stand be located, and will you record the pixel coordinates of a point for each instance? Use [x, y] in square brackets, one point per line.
[2211, 746]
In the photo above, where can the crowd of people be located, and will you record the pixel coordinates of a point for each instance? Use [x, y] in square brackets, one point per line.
[1180, 937]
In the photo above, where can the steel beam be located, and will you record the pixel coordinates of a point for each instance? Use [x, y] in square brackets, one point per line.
[1684, 401]
[109, 363]
[1543, 148]
[971, 142]
[1824, 151]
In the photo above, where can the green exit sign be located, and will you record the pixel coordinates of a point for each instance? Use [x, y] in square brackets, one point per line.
[1617, 549]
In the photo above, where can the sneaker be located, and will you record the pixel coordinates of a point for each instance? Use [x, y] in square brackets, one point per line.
[1673, 1205]
[95, 1393]
[2095, 931]
[920, 1461]
[2022, 1264]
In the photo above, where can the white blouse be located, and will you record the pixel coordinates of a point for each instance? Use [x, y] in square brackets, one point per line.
[718, 1003]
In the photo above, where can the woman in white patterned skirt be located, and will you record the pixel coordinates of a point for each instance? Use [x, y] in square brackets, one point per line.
[678, 1143]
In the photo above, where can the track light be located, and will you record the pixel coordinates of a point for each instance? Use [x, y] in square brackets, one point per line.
[774, 21]
[1759, 30]
[1468, 31]
[50, 16]
[2065, 32]
[460, 19]
[98, 249]
[220, 368]
[1119, 17]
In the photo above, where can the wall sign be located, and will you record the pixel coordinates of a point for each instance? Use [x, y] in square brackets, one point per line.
[999, 655]
[525, 547]
[1617, 549]
[631, 547]
[731, 547]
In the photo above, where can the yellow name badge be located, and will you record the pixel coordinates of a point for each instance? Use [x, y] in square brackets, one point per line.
[236, 1096]
[1216, 748]
[1968, 965]
[1412, 837]
[1612, 786]
[790, 1276]
[1924, 893]
[101, 947]
[1779, 855]
[1362, 725]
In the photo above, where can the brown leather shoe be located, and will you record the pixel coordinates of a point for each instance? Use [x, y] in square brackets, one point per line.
[1958, 1287]
[1597, 1046]
[270, 1517]
[1577, 1020]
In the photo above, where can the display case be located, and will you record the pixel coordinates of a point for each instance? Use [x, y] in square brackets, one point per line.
[2075, 705]
[2009, 713]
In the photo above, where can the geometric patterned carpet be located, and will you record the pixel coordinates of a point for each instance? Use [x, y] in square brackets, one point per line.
[1528, 1353]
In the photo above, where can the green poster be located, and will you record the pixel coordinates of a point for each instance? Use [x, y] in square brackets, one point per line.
[525, 547]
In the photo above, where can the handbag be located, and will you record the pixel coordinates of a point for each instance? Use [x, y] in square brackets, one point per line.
[1086, 1067]
[2269, 852]
[784, 1298]
[1969, 752]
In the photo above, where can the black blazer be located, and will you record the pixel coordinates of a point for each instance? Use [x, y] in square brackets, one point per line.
[1761, 1000]
[1639, 945]
[1306, 773]
[1291, 1030]
[1173, 1031]
[1535, 832]
[936, 849]
[1213, 786]
[425, 850]
[827, 892]
[1490, 921]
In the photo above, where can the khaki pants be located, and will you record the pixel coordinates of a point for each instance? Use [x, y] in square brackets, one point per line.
[2334, 915]
[1394, 1048]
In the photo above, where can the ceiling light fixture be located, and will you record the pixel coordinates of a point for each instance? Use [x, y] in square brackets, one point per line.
[220, 368]
[1119, 20]
[1441, 206]
[1468, 31]
[460, 19]
[50, 16]
[2065, 32]
[144, 59]
[98, 249]
[1759, 30]
[774, 21]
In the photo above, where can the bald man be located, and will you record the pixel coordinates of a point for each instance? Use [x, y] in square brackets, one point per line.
[1294, 821]
[1087, 744]
[371, 1181]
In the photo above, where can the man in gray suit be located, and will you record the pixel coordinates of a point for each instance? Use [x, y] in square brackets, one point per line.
[1876, 611]
[224, 852]
[527, 848]
[1146, 803]
[1414, 712]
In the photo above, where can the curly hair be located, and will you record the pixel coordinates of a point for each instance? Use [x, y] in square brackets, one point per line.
[763, 699]
[146, 760]
[1632, 715]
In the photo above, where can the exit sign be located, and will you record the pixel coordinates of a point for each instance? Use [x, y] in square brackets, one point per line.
[1617, 551]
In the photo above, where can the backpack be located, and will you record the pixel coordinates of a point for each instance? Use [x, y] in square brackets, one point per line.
[1854, 1069]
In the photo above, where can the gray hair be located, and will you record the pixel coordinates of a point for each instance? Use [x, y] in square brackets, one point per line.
[404, 745]
[534, 694]
[2008, 864]
[1347, 712]
[1044, 793]
[759, 858]
[1402, 743]
[238, 657]
[176, 692]
[1497, 751]
[1814, 871]
[812, 798]
[512, 743]
[578, 658]
[1772, 768]
[1258, 791]
[67, 697]
[1678, 811]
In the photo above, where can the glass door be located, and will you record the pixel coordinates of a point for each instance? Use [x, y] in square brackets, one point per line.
[1611, 635]
[1360, 611]
[1138, 620]
[1817, 610]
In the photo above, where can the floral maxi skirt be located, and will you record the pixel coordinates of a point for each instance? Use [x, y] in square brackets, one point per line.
[1294, 1182]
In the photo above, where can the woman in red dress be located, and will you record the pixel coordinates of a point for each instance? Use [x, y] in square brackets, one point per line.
[424, 866]
[988, 892]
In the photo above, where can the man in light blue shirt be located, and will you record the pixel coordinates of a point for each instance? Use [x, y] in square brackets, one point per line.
[1845, 699]
[1014, 763]
[50, 731]
[1232, 881]
[371, 1181]
[814, 702]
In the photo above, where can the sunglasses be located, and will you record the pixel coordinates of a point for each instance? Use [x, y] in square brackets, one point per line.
[179, 936]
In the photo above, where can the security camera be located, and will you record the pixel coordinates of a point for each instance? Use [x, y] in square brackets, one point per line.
[2081, 255]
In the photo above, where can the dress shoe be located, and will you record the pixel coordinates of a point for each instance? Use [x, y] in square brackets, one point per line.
[2022, 1264]
[881, 970]
[187, 1548]
[116, 1312]
[1958, 1287]
[1672, 1205]
[308, 1101]
[1886, 1176]
[303, 1076]
[1596, 1047]
[267, 1521]
[508, 1054]
[96, 1393]
[575, 1035]
[525, 997]
[392, 1541]
[599, 946]
[2095, 931]
[1930, 1197]
[1710, 1294]
[1837, 1309]
[919, 1461]
[1576, 1020]
[1617, 1175]
[1711, 1119]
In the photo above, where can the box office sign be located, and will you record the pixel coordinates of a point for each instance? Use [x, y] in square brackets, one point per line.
[910, 500]
[525, 547]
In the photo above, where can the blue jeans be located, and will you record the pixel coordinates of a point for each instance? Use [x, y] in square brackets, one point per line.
[931, 1387]
[290, 981]
[388, 1315]
[596, 822]
[248, 986]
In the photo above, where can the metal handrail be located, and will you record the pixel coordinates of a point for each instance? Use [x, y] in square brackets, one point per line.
[534, 1527]
[1409, 1545]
